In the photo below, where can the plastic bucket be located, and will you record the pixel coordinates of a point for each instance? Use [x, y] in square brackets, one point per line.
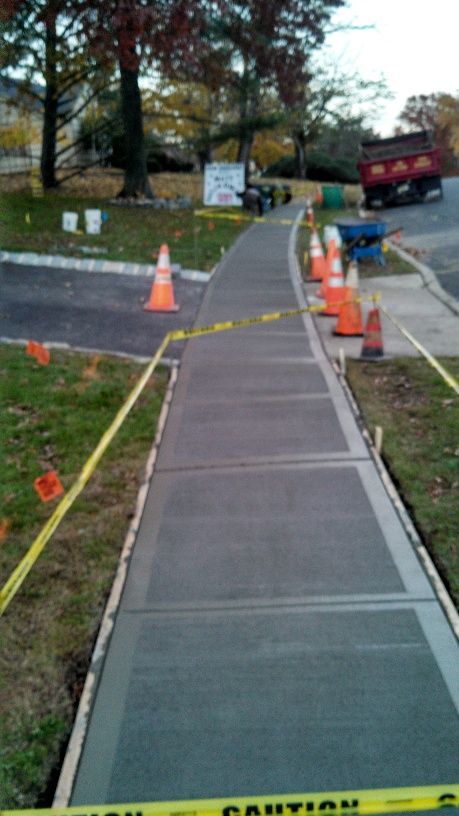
[333, 197]
[69, 221]
[93, 221]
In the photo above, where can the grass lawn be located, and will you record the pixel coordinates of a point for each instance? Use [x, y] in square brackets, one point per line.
[419, 415]
[52, 417]
[130, 233]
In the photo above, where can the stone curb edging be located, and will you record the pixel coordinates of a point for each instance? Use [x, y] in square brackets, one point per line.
[95, 265]
[424, 557]
[429, 277]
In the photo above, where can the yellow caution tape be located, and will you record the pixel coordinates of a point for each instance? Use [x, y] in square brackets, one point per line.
[348, 803]
[211, 214]
[449, 379]
[18, 575]
[16, 578]
[185, 334]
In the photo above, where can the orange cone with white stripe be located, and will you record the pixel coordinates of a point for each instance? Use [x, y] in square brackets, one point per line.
[318, 266]
[349, 323]
[332, 252]
[162, 292]
[372, 346]
[309, 213]
[335, 291]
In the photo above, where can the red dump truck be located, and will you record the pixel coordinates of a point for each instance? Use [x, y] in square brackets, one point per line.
[400, 169]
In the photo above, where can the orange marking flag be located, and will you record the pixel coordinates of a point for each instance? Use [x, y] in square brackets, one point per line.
[48, 486]
[38, 351]
[5, 525]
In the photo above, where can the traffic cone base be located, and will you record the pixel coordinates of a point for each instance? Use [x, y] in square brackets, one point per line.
[162, 292]
[372, 347]
[156, 306]
[349, 322]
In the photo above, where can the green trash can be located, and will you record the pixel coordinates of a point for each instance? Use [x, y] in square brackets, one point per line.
[333, 197]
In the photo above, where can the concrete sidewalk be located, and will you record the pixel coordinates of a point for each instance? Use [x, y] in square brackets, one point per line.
[430, 320]
[276, 632]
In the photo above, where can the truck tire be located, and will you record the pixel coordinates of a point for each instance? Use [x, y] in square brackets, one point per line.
[374, 198]
[432, 189]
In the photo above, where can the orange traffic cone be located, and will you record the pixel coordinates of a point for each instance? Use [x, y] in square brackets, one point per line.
[162, 292]
[334, 294]
[372, 346]
[349, 323]
[352, 277]
[331, 252]
[309, 213]
[318, 265]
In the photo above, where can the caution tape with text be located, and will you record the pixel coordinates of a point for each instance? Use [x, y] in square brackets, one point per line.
[347, 803]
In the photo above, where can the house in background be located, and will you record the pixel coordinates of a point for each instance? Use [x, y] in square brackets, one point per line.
[21, 123]
[21, 126]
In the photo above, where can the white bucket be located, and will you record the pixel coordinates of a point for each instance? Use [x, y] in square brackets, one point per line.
[69, 221]
[93, 221]
[330, 232]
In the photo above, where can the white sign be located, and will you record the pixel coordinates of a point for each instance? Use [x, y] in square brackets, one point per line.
[222, 182]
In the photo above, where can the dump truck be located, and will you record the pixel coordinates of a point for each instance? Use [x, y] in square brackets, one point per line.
[399, 170]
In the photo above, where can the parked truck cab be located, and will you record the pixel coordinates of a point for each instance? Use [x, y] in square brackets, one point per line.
[400, 169]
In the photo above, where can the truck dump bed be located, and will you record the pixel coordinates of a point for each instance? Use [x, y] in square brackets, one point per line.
[400, 168]
[406, 145]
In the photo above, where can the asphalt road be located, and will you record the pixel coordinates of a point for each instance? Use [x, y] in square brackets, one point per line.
[90, 310]
[433, 229]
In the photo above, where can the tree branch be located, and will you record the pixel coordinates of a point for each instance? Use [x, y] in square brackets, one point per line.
[77, 112]
[100, 129]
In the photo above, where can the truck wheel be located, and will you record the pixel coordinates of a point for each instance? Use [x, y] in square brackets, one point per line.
[432, 189]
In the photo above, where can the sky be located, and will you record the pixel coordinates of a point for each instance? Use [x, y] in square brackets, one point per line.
[414, 45]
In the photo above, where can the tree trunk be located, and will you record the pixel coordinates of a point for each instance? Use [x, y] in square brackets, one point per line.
[243, 152]
[136, 183]
[248, 109]
[48, 145]
[204, 156]
[300, 155]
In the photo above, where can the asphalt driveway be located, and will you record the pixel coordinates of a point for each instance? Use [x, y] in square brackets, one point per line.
[90, 310]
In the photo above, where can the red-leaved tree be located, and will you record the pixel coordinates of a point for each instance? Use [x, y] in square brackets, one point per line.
[139, 34]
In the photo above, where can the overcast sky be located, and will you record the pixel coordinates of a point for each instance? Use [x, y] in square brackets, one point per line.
[414, 45]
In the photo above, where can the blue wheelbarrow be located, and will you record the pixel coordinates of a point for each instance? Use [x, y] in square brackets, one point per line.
[363, 239]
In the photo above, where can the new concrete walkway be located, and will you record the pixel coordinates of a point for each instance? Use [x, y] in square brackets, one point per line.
[276, 633]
